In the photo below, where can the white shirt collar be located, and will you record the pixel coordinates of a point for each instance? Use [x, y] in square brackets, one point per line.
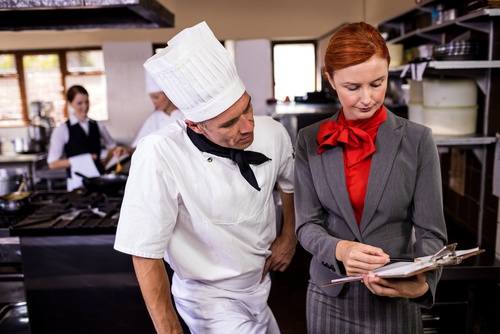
[73, 120]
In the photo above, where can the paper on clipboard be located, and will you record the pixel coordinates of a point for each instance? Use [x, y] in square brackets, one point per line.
[83, 164]
[447, 256]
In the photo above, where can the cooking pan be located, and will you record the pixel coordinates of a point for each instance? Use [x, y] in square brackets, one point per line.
[107, 183]
[15, 201]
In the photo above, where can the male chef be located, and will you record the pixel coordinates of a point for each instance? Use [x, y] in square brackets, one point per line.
[200, 196]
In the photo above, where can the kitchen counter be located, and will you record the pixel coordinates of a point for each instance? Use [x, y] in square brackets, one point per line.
[80, 284]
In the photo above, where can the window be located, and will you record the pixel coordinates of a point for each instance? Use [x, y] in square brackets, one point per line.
[86, 68]
[10, 94]
[31, 79]
[294, 69]
[43, 83]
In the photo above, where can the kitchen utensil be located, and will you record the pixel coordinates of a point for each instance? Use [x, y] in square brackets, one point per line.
[107, 183]
[9, 180]
[15, 201]
[28, 146]
[118, 167]
[21, 186]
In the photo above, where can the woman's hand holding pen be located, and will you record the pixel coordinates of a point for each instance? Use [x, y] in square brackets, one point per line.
[358, 258]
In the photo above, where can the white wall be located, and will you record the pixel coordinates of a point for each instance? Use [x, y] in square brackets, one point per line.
[254, 66]
[129, 103]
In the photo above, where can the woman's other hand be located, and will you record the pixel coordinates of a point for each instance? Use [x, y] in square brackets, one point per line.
[411, 287]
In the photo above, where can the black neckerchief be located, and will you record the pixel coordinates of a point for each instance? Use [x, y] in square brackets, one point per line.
[241, 157]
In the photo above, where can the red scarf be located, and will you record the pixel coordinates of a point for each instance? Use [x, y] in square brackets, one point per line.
[358, 137]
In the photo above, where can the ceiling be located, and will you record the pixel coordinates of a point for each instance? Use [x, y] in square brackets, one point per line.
[229, 19]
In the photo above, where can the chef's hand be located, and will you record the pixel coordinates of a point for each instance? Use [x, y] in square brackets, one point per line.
[282, 252]
[358, 258]
[411, 287]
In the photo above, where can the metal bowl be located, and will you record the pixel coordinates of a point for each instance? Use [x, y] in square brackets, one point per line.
[460, 50]
[15, 201]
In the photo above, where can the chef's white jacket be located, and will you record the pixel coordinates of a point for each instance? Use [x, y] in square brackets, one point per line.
[198, 212]
[157, 120]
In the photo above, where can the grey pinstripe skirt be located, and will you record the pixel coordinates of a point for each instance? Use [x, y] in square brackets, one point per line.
[357, 310]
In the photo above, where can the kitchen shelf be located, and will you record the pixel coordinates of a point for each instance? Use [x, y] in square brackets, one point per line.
[453, 64]
[477, 20]
[463, 140]
[466, 64]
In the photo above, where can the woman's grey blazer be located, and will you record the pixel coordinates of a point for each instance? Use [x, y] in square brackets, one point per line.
[403, 212]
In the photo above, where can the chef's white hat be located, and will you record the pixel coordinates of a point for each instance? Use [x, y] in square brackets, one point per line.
[197, 73]
[151, 85]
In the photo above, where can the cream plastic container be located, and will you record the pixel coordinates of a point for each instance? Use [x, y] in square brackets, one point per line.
[451, 120]
[416, 91]
[416, 112]
[449, 92]
[396, 53]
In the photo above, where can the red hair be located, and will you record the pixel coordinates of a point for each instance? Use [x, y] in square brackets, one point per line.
[354, 44]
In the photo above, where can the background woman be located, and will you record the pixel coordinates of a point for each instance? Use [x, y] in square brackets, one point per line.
[368, 188]
[78, 135]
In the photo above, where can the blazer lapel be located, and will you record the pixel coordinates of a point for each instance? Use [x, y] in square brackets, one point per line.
[333, 165]
[389, 137]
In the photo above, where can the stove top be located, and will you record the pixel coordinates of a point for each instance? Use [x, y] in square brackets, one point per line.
[66, 213]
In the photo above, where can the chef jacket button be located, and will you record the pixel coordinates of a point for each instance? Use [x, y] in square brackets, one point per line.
[209, 159]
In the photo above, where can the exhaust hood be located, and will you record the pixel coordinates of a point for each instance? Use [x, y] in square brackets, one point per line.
[18, 15]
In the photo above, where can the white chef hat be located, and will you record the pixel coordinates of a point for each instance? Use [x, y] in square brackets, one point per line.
[151, 85]
[197, 73]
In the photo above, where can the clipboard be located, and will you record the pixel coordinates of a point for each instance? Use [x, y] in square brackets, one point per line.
[447, 256]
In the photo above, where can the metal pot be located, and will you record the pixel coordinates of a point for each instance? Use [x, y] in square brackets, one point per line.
[15, 201]
[107, 183]
[37, 133]
[9, 181]
[23, 145]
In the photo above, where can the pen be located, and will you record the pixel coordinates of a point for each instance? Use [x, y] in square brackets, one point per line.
[400, 259]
